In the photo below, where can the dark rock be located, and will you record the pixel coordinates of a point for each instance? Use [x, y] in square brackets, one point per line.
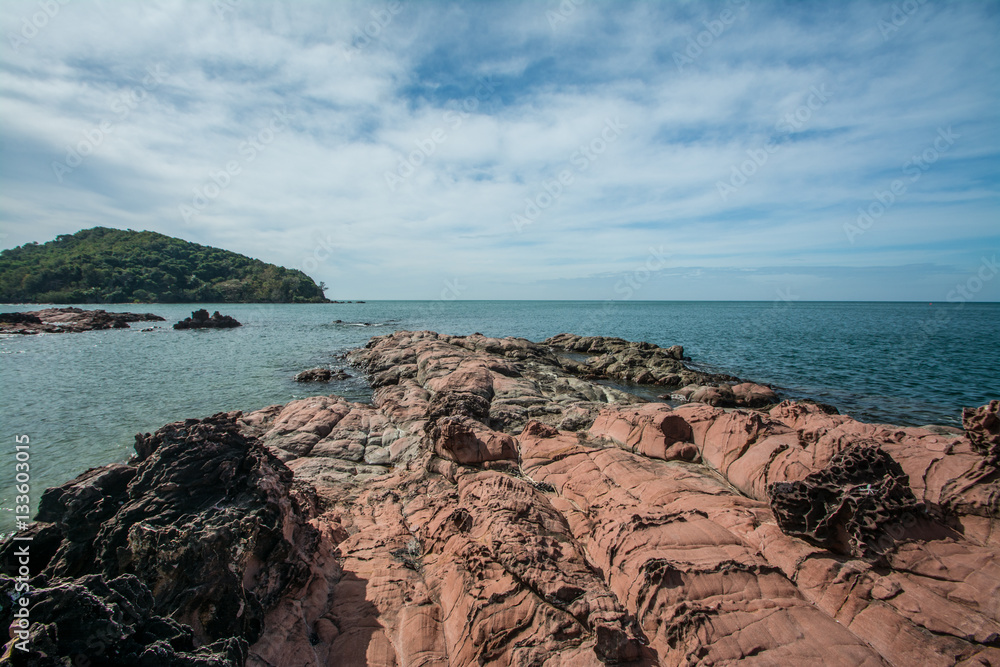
[200, 320]
[204, 524]
[96, 621]
[314, 375]
[846, 506]
[19, 318]
[321, 374]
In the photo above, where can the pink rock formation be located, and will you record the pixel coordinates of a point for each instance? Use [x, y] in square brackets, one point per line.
[68, 320]
[491, 506]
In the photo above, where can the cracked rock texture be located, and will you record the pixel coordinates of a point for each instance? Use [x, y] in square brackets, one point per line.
[499, 502]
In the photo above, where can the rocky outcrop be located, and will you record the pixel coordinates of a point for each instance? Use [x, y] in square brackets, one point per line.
[493, 506]
[194, 544]
[647, 364]
[69, 320]
[200, 320]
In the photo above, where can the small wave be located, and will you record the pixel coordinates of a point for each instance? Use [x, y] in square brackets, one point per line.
[365, 324]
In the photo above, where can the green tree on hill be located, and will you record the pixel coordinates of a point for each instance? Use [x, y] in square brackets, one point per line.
[102, 265]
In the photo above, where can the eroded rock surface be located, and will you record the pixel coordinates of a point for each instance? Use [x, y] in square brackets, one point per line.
[496, 503]
[69, 320]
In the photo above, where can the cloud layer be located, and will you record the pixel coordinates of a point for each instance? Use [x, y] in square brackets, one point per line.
[530, 150]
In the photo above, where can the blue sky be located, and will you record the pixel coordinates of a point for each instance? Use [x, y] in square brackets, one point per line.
[538, 150]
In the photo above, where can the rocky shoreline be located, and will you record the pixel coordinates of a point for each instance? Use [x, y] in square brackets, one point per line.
[69, 320]
[508, 502]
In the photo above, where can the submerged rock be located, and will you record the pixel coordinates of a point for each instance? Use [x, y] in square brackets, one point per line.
[493, 505]
[200, 320]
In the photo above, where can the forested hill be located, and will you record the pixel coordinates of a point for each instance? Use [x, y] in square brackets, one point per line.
[102, 265]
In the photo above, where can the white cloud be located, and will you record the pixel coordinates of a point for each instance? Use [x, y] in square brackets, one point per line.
[493, 104]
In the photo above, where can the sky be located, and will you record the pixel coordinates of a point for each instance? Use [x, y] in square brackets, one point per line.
[571, 149]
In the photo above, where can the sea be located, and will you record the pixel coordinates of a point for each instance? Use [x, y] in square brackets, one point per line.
[81, 398]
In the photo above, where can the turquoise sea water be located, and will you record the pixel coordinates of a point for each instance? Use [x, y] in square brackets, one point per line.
[82, 397]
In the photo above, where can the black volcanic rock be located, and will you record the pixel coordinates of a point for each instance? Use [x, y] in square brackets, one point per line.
[95, 621]
[190, 544]
[200, 320]
[19, 318]
[844, 506]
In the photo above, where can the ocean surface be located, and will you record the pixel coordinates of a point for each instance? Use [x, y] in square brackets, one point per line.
[81, 398]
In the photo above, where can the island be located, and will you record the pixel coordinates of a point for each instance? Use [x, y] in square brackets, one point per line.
[505, 502]
[103, 265]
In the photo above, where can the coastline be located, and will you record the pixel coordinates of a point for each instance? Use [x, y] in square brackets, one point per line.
[873, 361]
[510, 459]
